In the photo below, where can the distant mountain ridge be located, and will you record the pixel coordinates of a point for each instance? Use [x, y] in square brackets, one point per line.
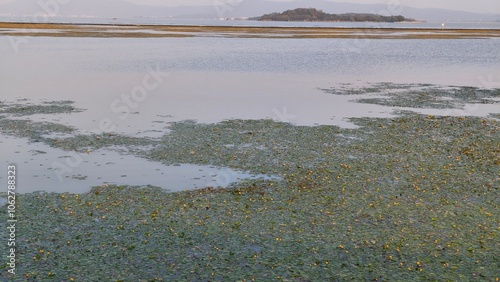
[242, 8]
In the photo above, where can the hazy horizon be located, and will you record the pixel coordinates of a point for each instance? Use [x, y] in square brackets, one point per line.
[478, 6]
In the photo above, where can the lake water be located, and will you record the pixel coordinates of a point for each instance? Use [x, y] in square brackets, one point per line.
[39, 169]
[215, 22]
[138, 86]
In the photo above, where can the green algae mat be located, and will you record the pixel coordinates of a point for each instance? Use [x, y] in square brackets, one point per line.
[409, 198]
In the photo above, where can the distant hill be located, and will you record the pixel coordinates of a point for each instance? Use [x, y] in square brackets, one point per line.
[314, 15]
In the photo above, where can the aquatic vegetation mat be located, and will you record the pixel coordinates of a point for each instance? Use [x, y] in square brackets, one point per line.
[56, 107]
[497, 116]
[84, 143]
[12, 122]
[34, 131]
[408, 198]
[419, 95]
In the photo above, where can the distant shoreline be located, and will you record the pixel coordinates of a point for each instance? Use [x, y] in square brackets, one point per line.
[158, 31]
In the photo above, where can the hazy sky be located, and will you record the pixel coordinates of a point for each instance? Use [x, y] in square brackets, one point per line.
[486, 6]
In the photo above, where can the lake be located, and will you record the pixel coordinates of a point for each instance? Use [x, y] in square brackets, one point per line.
[216, 22]
[138, 87]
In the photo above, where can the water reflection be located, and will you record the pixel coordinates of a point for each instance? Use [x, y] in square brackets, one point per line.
[210, 80]
[43, 168]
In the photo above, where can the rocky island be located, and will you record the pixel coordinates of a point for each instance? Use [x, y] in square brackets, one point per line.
[314, 15]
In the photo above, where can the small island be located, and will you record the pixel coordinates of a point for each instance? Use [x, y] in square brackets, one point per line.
[314, 15]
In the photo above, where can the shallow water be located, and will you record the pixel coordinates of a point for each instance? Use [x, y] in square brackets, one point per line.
[42, 168]
[210, 80]
[214, 22]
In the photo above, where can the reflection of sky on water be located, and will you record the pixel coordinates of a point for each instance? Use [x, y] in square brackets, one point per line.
[210, 80]
[212, 22]
[40, 167]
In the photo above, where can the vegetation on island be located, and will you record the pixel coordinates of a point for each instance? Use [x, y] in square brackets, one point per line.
[314, 15]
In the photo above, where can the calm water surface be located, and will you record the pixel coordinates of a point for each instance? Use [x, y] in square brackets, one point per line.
[213, 79]
[215, 22]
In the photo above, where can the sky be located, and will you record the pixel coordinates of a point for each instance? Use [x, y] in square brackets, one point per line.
[480, 6]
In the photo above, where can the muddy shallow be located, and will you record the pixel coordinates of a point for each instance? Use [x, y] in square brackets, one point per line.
[381, 201]
[155, 31]
[188, 155]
